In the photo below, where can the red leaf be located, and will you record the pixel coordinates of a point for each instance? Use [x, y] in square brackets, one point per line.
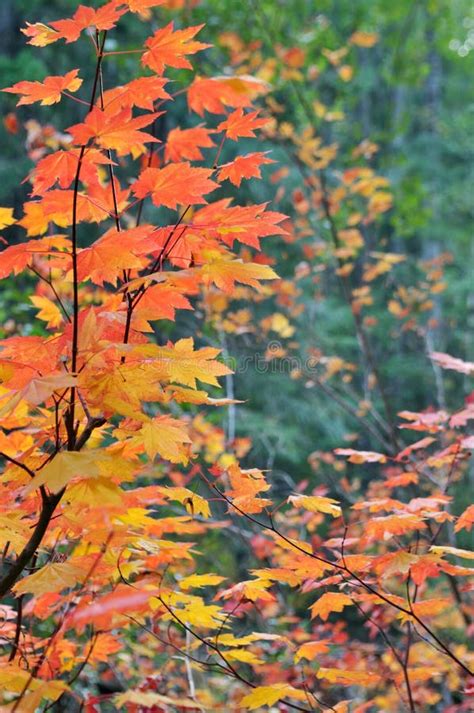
[169, 49]
[244, 167]
[177, 183]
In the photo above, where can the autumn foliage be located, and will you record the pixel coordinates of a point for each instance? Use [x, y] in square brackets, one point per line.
[117, 480]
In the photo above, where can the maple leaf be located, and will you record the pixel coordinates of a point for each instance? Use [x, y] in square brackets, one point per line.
[194, 504]
[47, 92]
[177, 183]
[165, 436]
[426, 608]
[141, 92]
[244, 167]
[465, 520]
[61, 167]
[187, 143]
[37, 390]
[240, 124]
[106, 259]
[40, 34]
[183, 364]
[445, 550]
[384, 528]
[246, 486]
[117, 131]
[104, 18]
[215, 94]
[361, 456]
[311, 649]
[161, 302]
[328, 603]
[65, 466]
[142, 5]
[169, 49]
[52, 577]
[225, 273]
[200, 580]
[316, 503]
[49, 311]
[6, 217]
[268, 695]
[446, 361]
[106, 609]
[251, 589]
[348, 678]
[149, 699]
[247, 224]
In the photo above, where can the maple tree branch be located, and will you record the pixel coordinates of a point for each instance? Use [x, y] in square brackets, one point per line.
[398, 658]
[60, 623]
[342, 567]
[50, 284]
[168, 642]
[230, 669]
[78, 671]
[19, 617]
[16, 462]
[49, 504]
[333, 394]
[76, 99]
[75, 321]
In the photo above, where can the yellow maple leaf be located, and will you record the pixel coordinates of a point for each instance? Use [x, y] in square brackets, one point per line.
[316, 503]
[200, 580]
[188, 364]
[49, 311]
[53, 577]
[225, 273]
[166, 436]
[348, 678]
[194, 504]
[268, 695]
[6, 217]
[62, 468]
[244, 656]
[193, 610]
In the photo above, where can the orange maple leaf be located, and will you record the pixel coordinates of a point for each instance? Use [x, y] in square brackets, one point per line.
[104, 18]
[187, 143]
[169, 49]
[214, 94]
[61, 167]
[328, 603]
[240, 124]
[177, 183]
[117, 131]
[244, 167]
[116, 251]
[141, 92]
[47, 92]
[247, 224]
